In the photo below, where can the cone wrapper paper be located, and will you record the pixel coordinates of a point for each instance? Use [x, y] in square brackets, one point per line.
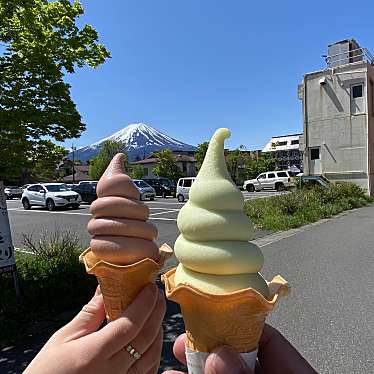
[196, 360]
[121, 283]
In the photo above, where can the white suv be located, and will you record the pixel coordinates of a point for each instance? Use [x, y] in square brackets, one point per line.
[50, 195]
[274, 180]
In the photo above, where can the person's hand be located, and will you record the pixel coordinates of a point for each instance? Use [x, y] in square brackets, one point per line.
[80, 347]
[276, 355]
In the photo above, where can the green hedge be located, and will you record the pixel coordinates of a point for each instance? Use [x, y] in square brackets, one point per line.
[305, 205]
[52, 281]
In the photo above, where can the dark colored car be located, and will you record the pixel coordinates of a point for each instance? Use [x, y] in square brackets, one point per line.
[313, 180]
[163, 186]
[87, 190]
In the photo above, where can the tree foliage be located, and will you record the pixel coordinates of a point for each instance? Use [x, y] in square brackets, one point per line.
[237, 162]
[44, 168]
[167, 166]
[99, 163]
[200, 153]
[138, 171]
[242, 166]
[262, 165]
[40, 44]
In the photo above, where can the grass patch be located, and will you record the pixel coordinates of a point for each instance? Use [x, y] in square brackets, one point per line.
[305, 205]
[52, 281]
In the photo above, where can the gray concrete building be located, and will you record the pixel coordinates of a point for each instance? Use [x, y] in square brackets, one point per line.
[338, 116]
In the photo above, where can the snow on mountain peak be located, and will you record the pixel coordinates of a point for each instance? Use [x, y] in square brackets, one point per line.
[138, 139]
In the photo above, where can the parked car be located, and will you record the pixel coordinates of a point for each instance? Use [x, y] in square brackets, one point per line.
[12, 191]
[313, 180]
[86, 189]
[163, 186]
[183, 188]
[50, 195]
[273, 180]
[146, 191]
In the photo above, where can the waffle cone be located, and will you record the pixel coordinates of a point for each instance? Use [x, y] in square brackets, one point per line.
[121, 283]
[236, 319]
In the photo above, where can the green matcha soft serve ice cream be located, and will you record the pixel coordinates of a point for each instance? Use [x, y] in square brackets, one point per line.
[213, 248]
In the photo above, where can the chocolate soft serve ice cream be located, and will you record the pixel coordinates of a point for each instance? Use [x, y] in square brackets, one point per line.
[213, 248]
[123, 255]
[120, 232]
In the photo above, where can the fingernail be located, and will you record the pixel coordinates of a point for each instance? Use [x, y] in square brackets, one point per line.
[225, 359]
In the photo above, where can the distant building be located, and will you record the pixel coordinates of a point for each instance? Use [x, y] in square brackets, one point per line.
[286, 149]
[65, 171]
[186, 163]
[338, 113]
[78, 177]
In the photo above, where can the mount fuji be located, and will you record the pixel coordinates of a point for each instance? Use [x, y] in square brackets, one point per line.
[139, 140]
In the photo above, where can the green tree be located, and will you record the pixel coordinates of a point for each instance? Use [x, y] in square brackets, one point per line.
[167, 166]
[237, 161]
[263, 164]
[138, 171]
[200, 154]
[46, 159]
[41, 43]
[99, 163]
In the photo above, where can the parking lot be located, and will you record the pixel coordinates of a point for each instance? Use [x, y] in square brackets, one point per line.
[34, 222]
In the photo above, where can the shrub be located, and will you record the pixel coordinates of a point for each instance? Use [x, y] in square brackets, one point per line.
[305, 205]
[52, 280]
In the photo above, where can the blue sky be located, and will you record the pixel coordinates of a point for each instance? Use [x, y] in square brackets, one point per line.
[188, 67]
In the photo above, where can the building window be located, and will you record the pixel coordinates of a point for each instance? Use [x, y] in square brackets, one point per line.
[357, 99]
[145, 172]
[281, 143]
[293, 142]
[357, 91]
[314, 154]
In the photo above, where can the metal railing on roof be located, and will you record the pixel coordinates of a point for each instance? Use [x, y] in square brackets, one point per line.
[348, 57]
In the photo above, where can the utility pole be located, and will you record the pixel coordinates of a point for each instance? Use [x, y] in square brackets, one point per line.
[73, 150]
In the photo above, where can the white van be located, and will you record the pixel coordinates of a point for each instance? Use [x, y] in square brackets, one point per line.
[183, 188]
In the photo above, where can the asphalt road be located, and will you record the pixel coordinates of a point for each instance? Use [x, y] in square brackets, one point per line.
[329, 316]
[37, 221]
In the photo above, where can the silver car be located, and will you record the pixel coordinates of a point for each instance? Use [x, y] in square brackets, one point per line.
[12, 191]
[146, 191]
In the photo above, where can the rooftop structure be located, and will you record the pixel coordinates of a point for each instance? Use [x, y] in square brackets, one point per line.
[345, 52]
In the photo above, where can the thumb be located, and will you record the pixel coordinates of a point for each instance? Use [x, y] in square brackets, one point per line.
[225, 360]
[87, 321]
